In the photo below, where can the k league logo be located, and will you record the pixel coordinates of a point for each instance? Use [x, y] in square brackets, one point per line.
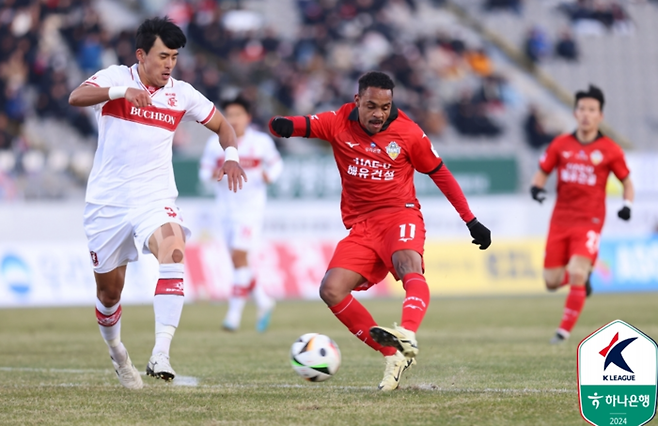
[617, 376]
[613, 355]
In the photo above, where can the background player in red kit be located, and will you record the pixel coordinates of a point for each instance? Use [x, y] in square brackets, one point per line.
[583, 159]
[377, 149]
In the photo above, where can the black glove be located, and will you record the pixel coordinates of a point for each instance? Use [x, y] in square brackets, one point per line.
[538, 193]
[624, 213]
[480, 233]
[282, 126]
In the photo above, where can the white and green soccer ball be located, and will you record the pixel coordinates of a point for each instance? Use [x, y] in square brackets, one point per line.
[315, 357]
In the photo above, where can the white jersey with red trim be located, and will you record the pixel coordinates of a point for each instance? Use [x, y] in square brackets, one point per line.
[258, 157]
[132, 165]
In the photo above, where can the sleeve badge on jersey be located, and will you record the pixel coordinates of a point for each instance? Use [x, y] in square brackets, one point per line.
[596, 157]
[393, 150]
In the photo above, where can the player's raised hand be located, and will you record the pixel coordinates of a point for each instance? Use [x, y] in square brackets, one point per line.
[234, 174]
[538, 194]
[281, 126]
[480, 233]
[138, 97]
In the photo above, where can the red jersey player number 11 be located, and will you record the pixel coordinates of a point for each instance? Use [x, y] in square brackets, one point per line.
[377, 149]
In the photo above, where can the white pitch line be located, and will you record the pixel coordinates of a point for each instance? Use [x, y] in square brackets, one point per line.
[54, 370]
[191, 381]
[423, 387]
[186, 381]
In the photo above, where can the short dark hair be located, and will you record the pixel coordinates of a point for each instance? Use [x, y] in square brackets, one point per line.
[238, 100]
[375, 79]
[170, 34]
[593, 92]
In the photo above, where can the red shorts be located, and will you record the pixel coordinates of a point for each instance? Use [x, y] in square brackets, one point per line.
[566, 241]
[368, 249]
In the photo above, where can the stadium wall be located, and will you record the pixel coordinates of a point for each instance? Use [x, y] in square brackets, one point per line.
[44, 260]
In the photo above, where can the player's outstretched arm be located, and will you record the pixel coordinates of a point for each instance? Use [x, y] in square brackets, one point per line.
[286, 127]
[227, 139]
[322, 125]
[537, 187]
[447, 183]
[629, 196]
[87, 95]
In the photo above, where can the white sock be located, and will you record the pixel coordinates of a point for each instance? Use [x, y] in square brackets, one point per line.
[112, 333]
[163, 336]
[168, 307]
[263, 301]
[241, 280]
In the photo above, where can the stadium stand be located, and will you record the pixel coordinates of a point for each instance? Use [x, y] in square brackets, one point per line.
[302, 56]
[614, 40]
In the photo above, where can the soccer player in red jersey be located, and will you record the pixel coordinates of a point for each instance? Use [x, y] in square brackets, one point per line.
[378, 148]
[583, 160]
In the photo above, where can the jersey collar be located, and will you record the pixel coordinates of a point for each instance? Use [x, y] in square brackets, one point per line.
[354, 116]
[135, 75]
[599, 135]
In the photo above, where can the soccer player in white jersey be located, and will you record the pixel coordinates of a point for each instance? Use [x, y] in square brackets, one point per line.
[131, 192]
[240, 215]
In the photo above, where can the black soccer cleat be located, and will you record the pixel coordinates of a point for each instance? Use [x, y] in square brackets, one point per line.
[400, 338]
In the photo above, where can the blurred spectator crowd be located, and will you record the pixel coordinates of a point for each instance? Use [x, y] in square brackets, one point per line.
[586, 17]
[439, 78]
[597, 16]
[47, 47]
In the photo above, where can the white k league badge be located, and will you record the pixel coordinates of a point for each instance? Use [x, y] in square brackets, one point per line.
[617, 376]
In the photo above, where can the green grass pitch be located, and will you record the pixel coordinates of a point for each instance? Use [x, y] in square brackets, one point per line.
[482, 361]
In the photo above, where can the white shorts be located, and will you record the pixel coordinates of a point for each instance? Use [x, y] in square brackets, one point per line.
[241, 233]
[114, 234]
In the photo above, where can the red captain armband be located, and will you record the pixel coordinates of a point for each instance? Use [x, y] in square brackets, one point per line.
[281, 126]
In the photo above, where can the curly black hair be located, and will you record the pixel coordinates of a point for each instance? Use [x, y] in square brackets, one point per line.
[375, 79]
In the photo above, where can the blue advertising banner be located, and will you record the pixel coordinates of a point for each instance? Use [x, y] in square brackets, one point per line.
[627, 264]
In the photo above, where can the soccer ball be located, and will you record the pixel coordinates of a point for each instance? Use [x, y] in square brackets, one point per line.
[315, 357]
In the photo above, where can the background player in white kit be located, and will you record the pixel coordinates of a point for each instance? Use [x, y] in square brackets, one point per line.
[240, 215]
[131, 193]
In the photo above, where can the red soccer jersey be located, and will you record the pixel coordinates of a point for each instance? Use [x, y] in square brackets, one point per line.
[377, 170]
[582, 174]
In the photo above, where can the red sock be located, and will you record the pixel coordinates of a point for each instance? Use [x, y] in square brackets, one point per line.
[358, 320]
[573, 307]
[416, 301]
[565, 280]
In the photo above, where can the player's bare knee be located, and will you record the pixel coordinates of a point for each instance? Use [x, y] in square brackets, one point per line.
[326, 293]
[552, 284]
[553, 278]
[171, 250]
[109, 298]
[239, 258]
[578, 269]
[577, 277]
[405, 264]
[330, 292]
[177, 256]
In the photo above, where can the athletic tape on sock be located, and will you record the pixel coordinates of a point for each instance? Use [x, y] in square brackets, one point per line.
[172, 270]
[108, 320]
